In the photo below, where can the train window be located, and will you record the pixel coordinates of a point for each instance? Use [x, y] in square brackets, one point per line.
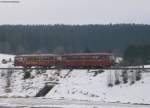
[87, 57]
[51, 58]
[64, 58]
[44, 58]
[33, 58]
[59, 58]
[95, 57]
[111, 57]
[100, 57]
[19, 58]
[71, 57]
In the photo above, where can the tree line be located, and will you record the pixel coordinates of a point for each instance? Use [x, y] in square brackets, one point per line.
[137, 54]
[20, 39]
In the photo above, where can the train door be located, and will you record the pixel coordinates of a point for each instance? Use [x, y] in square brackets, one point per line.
[59, 62]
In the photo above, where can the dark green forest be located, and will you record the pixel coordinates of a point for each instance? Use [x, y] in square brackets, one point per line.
[19, 39]
[137, 54]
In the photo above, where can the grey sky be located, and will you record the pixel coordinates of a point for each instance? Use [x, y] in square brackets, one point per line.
[75, 12]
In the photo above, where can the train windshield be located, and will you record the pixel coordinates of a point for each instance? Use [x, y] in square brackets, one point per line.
[18, 58]
[112, 58]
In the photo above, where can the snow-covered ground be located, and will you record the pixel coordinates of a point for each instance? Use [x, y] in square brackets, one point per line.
[52, 103]
[83, 86]
[74, 85]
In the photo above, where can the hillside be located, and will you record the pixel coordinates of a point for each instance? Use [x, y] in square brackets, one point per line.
[16, 39]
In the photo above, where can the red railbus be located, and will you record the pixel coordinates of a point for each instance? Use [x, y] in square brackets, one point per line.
[88, 60]
[37, 60]
[68, 60]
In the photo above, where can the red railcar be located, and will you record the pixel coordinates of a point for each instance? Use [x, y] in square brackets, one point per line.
[37, 60]
[87, 60]
[72, 60]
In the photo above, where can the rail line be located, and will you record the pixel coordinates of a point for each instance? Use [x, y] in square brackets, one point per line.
[114, 68]
[10, 1]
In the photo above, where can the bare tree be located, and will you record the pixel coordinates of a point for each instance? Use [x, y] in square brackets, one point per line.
[8, 79]
[132, 76]
[110, 82]
[124, 76]
[117, 81]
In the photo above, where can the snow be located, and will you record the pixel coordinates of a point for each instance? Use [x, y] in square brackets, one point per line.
[74, 85]
[52, 103]
[20, 87]
[82, 86]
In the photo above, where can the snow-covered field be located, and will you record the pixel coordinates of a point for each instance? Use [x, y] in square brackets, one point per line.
[73, 85]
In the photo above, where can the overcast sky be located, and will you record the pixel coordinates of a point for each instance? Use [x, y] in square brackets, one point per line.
[75, 12]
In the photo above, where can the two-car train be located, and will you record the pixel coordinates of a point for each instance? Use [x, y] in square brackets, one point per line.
[68, 60]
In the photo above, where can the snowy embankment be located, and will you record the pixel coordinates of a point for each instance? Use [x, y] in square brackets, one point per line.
[83, 86]
[77, 84]
[13, 84]
[2, 72]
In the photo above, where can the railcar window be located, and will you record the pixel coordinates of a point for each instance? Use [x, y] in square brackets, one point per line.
[44, 58]
[89, 57]
[19, 58]
[111, 57]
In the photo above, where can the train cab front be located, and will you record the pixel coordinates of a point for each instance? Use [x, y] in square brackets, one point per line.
[18, 61]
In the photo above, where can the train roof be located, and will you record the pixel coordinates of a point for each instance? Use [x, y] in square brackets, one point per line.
[31, 55]
[78, 54]
[66, 54]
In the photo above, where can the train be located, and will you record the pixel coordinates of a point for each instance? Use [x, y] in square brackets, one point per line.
[67, 60]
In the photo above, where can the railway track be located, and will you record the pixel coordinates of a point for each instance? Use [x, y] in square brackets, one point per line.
[114, 68]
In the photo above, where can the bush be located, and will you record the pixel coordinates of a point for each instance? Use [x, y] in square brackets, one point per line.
[27, 75]
[4, 61]
[138, 76]
[125, 76]
[117, 82]
[110, 85]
